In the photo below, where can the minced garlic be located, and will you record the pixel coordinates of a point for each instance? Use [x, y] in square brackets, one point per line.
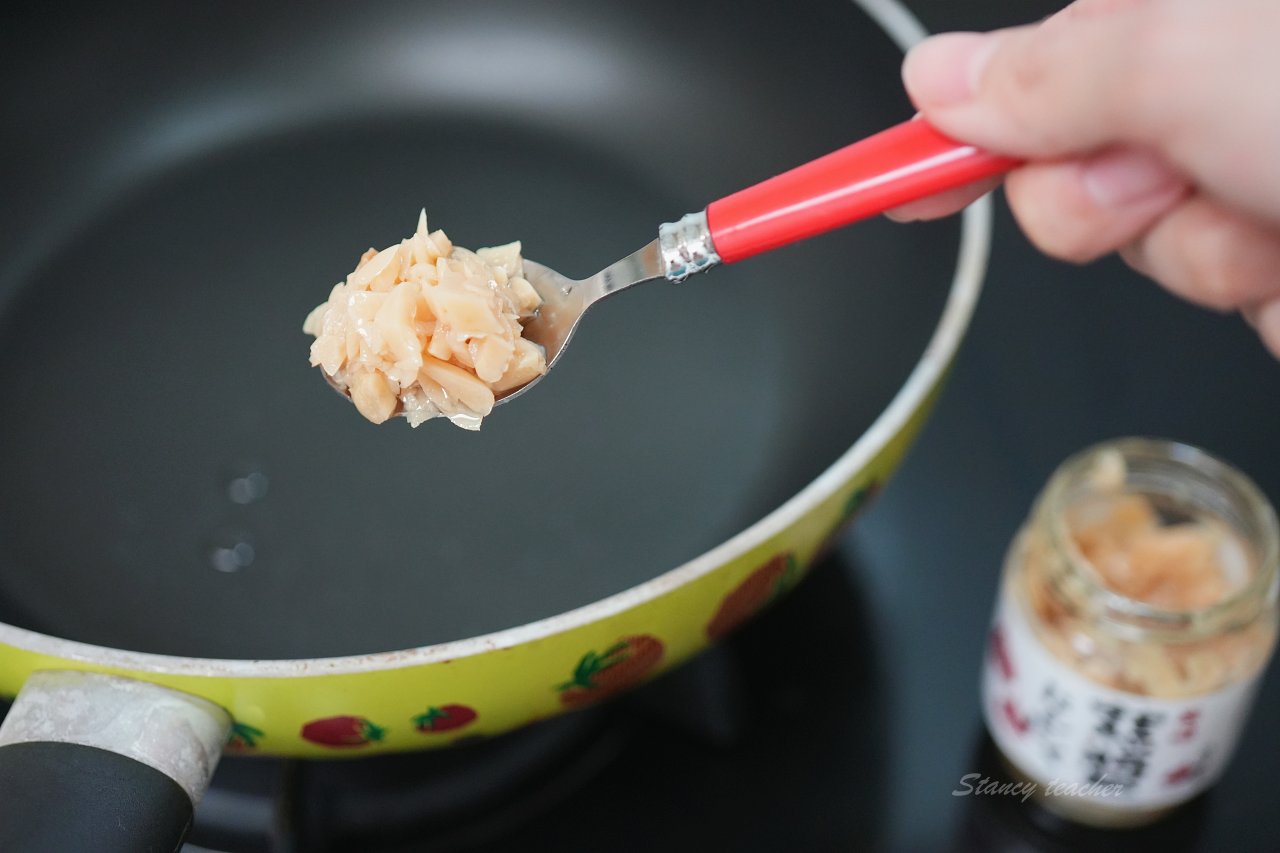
[428, 329]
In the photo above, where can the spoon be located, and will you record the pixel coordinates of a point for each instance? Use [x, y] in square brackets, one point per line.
[907, 162]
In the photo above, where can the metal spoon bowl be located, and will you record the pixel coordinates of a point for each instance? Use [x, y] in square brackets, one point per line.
[682, 248]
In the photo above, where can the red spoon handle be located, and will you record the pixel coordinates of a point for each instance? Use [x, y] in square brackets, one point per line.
[898, 165]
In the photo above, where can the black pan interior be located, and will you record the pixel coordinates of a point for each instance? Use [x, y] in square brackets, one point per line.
[190, 180]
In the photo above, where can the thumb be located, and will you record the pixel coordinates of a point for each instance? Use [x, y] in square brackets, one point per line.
[1178, 78]
[1059, 88]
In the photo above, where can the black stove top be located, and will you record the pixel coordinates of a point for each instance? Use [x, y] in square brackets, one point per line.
[844, 718]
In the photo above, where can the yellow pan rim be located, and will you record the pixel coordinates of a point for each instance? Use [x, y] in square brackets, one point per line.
[975, 242]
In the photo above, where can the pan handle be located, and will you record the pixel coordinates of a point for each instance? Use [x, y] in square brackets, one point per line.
[97, 762]
[904, 163]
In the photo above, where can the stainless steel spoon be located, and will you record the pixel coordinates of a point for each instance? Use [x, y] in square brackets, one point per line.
[904, 163]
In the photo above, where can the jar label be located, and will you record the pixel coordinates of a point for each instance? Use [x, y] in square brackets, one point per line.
[1078, 738]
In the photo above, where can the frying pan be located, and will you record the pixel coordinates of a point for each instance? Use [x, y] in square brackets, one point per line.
[199, 544]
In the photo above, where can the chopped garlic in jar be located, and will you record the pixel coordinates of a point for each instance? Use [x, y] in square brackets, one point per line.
[1184, 566]
[428, 329]
[1186, 563]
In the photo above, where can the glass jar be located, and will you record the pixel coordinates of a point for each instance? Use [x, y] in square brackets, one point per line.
[1136, 613]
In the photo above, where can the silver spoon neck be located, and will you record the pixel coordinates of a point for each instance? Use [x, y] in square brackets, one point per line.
[683, 248]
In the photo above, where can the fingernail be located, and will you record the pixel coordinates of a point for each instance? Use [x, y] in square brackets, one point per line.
[1122, 178]
[945, 70]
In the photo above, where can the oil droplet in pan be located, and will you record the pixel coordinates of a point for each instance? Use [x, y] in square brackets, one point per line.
[231, 551]
[248, 488]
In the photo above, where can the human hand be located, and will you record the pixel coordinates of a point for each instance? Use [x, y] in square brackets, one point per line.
[1150, 127]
